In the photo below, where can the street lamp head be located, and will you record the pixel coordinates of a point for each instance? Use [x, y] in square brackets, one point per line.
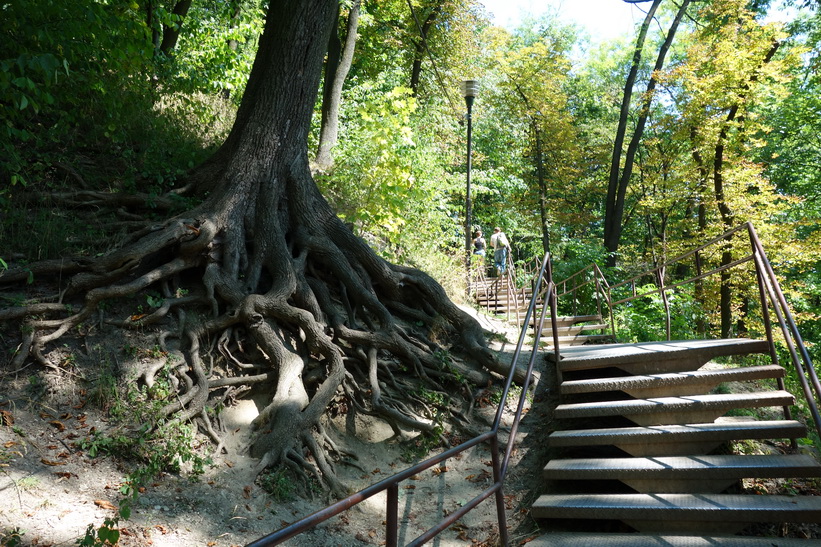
[470, 88]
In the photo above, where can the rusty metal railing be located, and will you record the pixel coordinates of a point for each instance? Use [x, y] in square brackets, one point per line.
[770, 295]
[499, 461]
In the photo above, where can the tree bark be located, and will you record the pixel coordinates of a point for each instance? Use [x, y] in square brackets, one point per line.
[170, 34]
[616, 222]
[611, 235]
[336, 71]
[421, 45]
[280, 282]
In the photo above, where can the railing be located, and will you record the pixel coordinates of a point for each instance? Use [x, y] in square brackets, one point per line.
[573, 285]
[502, 289]
[390, 485]
[770, 296]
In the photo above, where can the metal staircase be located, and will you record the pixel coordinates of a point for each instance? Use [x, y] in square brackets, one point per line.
[664, 479]
[641, 452]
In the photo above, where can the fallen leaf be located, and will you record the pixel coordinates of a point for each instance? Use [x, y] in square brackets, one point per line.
[105, 504]
[163, 530]
[46, 416]
[439, 470]
[10, 444]
[410, 487]
[63, 474]
[246, 492]
[6, 417]
[49, 462]
[138, 316]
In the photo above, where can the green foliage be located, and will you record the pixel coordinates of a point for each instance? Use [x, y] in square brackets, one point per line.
[644, 319]
[12, 537]
[107, 534]
[278, 483]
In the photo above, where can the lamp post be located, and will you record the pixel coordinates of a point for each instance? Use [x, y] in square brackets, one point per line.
[469, 89]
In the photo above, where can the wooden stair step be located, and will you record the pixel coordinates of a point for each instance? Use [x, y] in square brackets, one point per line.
[675, 383]
[662, 440]
[584, 539]
[656, 357]
[692, 474]
[679, 512]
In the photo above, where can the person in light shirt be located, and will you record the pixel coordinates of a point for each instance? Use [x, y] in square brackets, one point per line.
[500, 246]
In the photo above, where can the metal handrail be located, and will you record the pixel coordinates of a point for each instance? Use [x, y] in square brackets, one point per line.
[390, 485]
[770, 295]
[590, 274]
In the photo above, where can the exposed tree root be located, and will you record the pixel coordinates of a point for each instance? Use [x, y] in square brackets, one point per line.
[293, 301]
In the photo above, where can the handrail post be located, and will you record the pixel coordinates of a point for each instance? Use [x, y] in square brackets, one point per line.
[498, 477]
[664, 301]
[392, 516]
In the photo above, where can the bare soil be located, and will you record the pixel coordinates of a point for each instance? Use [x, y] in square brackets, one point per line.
[51, 489]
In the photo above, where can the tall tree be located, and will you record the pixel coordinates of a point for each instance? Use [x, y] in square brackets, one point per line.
[337, 65]
[610, 239]
[277, 278]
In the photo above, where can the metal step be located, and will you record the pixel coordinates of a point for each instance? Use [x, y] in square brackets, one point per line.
[685, 513]
[675, 410]
[656, 357]
[568, 539]
[692, 474]
[572, 330]
[676, 383]
[567, 320]
[675, 440]
[579, 340]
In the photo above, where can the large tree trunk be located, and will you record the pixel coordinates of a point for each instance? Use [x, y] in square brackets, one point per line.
[281, 285]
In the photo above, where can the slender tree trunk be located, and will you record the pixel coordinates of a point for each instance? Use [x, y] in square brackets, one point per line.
[727, 216]
[170, 34]
[337, 66]
[611, 241]
[421, 45]
[615, 226]
[540, 175]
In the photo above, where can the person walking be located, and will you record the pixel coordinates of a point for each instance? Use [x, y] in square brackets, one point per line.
[479, 244]
[500, 246]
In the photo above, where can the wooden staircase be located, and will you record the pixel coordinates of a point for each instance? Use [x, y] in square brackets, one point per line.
[635, 448]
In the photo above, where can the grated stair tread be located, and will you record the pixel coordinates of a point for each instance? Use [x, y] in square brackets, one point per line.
[682, 507]
[689, 403]
[700, 467]
[729, 430]
[646, 381]
[581, 539]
